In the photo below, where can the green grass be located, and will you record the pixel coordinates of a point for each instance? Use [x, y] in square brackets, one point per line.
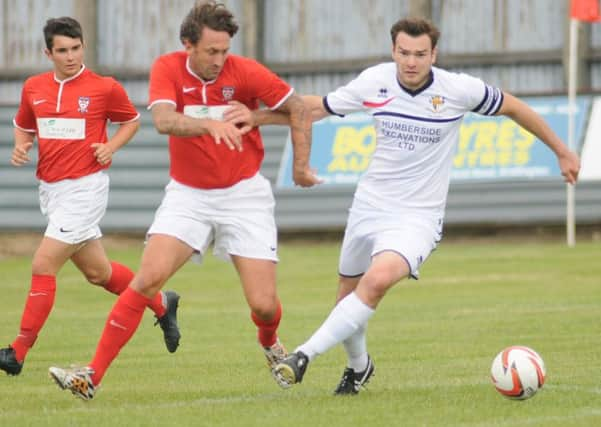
[432, 341]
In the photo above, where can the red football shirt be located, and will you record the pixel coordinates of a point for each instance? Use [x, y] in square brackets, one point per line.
[197, 161]
[67, 117]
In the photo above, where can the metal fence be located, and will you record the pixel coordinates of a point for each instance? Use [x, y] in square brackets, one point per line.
[140, 171]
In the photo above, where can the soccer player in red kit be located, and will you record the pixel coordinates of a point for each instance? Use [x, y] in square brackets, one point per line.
[67, 110]
[216, 194]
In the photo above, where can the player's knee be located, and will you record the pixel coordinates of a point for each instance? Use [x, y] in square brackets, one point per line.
[265, 308]
[43, 266]
[97, 276]
[377, 284]
[149, 279]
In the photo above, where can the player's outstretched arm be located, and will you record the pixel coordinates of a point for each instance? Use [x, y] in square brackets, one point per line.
[313, 103]
[300, 132]
[522, 114]
[23, 143]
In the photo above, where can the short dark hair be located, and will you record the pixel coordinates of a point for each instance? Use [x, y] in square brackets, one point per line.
[64, 26]
[207, 14]
[415, 27]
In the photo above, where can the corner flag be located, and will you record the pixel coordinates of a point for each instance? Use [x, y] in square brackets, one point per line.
[585, 10]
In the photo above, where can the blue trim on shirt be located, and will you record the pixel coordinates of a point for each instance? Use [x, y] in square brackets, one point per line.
[475, 110]
[421, 119]
[420, 89]
[493, 103]
[328, 109]
[499, 106]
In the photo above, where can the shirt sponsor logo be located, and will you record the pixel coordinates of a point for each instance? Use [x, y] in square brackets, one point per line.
[214, 112]
[84, 103]
[59, 128]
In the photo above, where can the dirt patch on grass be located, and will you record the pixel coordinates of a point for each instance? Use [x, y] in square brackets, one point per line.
[16, 244]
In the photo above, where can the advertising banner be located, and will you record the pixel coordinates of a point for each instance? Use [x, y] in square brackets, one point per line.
[489, 148]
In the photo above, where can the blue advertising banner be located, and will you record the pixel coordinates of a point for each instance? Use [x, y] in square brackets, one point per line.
[489, 148]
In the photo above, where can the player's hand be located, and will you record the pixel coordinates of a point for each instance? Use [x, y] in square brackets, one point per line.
[20, 154]
[306, 177]
[102, 152]
[225, 132]
[569, 163]
[239, 115]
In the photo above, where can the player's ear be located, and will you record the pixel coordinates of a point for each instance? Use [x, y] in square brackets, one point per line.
[434, 54]
[187, 44]
[48, 53]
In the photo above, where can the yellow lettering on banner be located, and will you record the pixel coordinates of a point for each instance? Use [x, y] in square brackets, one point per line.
[366, 140]
[472, 159]
[486, 136]
[459, 160]
[343, 142]
[521, 158]
[466, 132]
[338, 164]
[506, 135]
[525, 142]
[504, 158]
[488, 159]
[489, 144]
[352, 149]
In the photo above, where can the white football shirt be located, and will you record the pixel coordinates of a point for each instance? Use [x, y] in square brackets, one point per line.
[417, 133]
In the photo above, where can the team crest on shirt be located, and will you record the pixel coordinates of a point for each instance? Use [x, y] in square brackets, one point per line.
[227, 92]
[437, 103]
[84, 103]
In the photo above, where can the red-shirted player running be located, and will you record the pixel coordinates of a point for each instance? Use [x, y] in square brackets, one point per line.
[67, 109]
[216, 194]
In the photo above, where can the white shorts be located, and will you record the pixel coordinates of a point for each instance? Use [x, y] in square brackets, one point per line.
[412, 235]
[238, 220]
[74, 207]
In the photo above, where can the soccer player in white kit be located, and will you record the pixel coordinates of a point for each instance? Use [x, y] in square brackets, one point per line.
[396, 217]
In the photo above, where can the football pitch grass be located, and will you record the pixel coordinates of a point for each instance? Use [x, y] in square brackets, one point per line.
[432, 342]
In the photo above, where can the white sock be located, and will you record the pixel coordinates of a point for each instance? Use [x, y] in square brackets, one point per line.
[349, 315]
[356, 350]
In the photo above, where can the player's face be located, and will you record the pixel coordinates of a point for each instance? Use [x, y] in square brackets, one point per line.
[66, 55]
[414, 57]
[208, 55]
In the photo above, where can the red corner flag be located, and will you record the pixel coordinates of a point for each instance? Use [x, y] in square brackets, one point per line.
[585, 10]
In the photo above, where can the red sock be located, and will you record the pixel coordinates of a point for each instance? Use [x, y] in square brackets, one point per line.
[122, 322]
[156, 305]
[37, 308]
[267, 333]
[121, 277]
